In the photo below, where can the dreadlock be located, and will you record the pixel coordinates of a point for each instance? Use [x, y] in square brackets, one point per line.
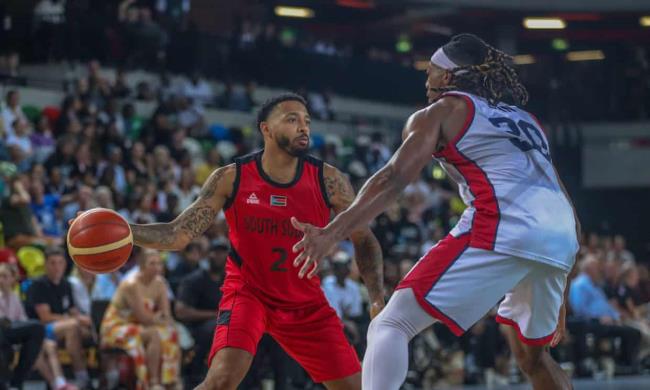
[483, 71]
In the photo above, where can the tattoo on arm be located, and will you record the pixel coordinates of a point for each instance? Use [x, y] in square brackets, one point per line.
[156, 235]
[191, 223]
[339, 191]
[369, 259]
[367, 250]
[194, 221]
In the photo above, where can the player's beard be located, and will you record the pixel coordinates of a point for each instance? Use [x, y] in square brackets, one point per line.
[285, 144]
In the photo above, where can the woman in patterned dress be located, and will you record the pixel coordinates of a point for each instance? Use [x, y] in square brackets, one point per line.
[138, 320]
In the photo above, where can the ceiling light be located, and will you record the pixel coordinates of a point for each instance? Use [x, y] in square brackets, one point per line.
[523, 59]
[544, 23]
[585, 55]
[294, 12]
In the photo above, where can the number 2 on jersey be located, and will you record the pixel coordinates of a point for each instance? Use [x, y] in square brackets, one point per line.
[526, 142]
[281, 258]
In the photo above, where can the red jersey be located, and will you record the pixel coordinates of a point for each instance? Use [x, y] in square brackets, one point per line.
[261, 236]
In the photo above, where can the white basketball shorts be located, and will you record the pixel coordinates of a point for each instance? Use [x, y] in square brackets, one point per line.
[458, 284]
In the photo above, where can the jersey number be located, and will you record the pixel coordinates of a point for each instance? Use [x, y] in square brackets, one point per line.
[282, 257]
[532, 137]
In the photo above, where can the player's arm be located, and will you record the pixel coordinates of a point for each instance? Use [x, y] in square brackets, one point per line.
[367, 250]
[194, 220]
[382, 189]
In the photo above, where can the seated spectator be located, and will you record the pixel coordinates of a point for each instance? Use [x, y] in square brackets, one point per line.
[82, 283]
[16, 322]
[84, 200]
[50, 300]
[344, 295]
[144, 210]
[42, 140]
[137, 164]
[120, 88]
[12, 112]
[190, 116]
[70, 111]
[236, 98]
[319, 106]
[105, 286]
[114, 164]
[644, 288]
[188, 263]
[20, 227]
[104, 197]
[166, 88]
[619, 251]
[138, 320]
[145, 92]
[611, 273]
[44, 207]
[187, 190]
[589, 303]
[197, 304]
[198, 90]
[627, 298]
[63, 159]
[171, 209]
[20, 138]
[205, 169]
[15, 329]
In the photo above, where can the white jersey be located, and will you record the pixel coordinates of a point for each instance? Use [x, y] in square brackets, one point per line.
[502, 164]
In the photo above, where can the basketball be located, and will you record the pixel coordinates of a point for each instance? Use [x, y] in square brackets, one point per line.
[100, 240]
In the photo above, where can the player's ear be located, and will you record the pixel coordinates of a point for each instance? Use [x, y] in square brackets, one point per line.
[446, 78]
[264, 129]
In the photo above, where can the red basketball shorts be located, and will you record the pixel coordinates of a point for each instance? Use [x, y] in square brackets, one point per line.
[312, 335]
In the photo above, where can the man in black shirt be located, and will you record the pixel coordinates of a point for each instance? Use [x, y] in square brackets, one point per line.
[189, 262]
[197, 304]
[49, 299]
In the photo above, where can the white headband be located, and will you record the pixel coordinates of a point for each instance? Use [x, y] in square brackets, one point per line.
[440, 59]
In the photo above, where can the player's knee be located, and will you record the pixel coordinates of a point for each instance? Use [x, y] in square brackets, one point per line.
[390, 325]
[529, 359]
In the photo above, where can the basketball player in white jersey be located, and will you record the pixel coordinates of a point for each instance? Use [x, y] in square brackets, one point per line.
[517, 238]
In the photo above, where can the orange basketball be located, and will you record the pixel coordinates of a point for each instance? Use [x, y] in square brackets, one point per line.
[100, 240]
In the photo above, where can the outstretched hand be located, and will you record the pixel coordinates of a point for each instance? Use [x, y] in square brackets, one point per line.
[315, 244]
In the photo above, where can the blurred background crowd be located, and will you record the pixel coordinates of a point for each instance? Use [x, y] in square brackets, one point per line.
[141, 90]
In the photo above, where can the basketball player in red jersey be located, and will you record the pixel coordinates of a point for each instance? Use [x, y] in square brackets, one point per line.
[262, 292]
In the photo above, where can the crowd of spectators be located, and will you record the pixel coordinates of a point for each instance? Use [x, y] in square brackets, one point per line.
[160, 35]
[95, 150]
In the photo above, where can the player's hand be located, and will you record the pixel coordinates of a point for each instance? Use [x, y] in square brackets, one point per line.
[376, 308]
[560, 331]
[315, 245]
